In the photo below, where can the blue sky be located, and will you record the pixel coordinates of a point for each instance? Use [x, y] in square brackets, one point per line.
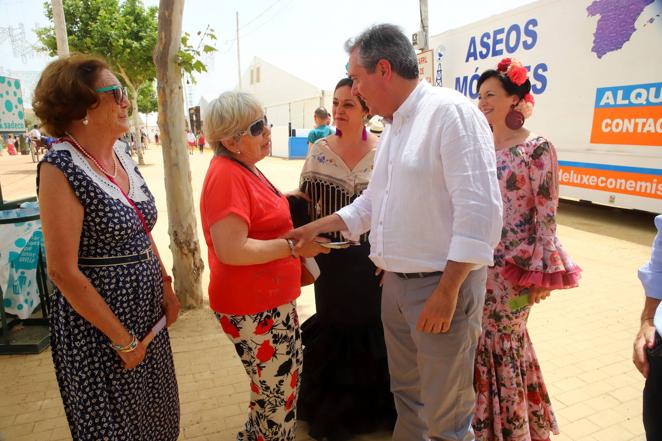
[301, 36]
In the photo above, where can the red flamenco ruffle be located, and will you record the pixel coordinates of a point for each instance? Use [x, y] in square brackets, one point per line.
[542, 264]
[564, 279]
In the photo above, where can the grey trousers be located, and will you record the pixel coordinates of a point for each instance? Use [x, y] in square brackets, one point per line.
[432, 374]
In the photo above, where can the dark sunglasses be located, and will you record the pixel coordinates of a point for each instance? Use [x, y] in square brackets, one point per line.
[256, 128]
[119, 92]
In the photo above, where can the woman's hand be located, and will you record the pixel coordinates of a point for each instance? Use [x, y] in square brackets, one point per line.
[171, 304]
[380, 273]
[132, 359]
[537, 294]
[313, 248]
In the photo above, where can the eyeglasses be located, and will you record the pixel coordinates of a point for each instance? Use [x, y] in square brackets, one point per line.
[119, 92]
[256, 128]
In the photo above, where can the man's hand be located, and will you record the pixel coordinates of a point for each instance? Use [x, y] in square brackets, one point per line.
[645, 339]
[308, 232]
[438, 311]
[313, 248]
[302, 235]
[537, 294]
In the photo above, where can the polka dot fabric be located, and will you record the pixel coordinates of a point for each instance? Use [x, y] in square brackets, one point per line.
[102, 400]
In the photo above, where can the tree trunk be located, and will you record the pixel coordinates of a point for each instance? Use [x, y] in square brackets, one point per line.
[61, 38]
[188, 265]
[136, 126]
[134, 110]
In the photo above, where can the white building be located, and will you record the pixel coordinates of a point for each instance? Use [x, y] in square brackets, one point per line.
[286, 98]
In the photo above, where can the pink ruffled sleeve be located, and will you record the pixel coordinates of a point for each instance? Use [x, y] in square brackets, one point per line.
[541, 262]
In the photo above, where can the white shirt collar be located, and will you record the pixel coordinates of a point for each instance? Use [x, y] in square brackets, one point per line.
[408, 107]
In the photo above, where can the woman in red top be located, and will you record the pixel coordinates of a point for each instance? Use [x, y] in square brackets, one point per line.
[201, 142]
[255, 274]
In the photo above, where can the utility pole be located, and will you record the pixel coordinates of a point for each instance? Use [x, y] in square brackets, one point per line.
[60, 29]
[238, 58]
[424, 22]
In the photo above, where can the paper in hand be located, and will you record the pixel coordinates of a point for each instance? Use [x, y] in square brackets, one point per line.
[155, 330]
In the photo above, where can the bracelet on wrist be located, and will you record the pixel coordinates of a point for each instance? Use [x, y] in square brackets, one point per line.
[291, 244]
[128, 348]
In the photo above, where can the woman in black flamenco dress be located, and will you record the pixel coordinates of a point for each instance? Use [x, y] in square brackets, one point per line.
[345, 381]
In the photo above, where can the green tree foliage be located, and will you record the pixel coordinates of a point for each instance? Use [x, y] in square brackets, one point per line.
[122, 32]
[190, 58]
[147, 102]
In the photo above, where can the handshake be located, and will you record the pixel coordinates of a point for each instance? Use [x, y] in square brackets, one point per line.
[307, 237]
[307, 242]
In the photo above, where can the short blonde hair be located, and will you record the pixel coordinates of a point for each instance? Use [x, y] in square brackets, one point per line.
[228, 115]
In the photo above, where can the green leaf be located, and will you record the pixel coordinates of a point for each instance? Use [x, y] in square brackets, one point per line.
[199, 66]
[124, 33]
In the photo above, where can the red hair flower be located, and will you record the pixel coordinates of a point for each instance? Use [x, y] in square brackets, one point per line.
[517, 74]
[529, 99]
[503, 65]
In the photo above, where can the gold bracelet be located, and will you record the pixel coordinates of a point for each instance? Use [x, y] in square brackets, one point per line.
[128, 348]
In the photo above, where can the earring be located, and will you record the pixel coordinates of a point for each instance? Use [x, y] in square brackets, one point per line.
[364, 134]
[85, 121]
[238, 152]
[514, 119]
[338, 133]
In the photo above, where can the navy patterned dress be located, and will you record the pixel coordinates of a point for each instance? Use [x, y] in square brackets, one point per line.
[102, 400]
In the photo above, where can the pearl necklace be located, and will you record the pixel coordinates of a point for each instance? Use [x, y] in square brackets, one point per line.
[91, 158]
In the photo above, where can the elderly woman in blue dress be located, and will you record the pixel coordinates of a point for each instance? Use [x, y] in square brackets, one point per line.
[112, 288]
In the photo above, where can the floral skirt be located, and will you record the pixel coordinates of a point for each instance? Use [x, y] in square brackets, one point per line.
[512, 402]
[269, 346]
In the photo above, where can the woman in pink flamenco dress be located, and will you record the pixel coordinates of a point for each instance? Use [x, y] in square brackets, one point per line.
[512, 402]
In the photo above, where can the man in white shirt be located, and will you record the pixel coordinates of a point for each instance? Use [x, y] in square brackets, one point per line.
[35, 133]
[433, 208]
